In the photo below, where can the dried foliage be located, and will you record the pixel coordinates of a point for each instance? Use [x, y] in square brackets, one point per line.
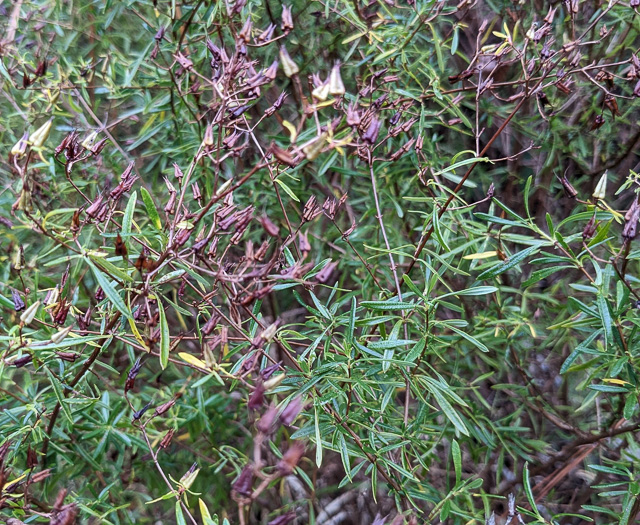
[323, 262]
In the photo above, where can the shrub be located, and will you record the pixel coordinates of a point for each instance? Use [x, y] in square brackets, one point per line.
[336, 262]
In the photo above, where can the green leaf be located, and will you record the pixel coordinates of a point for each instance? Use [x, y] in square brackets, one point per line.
[151, 209]
[109, 290]
[512, 261]
[179, 515]
[165, 340]
[449, 412]
[127, 219]
[388, 305]
[318, 437]
[457, 460]
[57, 389]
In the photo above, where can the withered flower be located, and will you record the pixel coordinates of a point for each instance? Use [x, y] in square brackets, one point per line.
[290, 413]
[131, 376]
[22, 361]
[285, 519]
[266, 422]
[598, 122]
[303, 242]
[99, 294]
[372, 131]
[196, 192]
[245, 33]
[138, 414]
[612, 105]
[289, 66]
[282, 156]
[276, 105]
[569, 190]
[127, 179]
[589, 229]
[184, 62]
[632, 216]
[84, 321]
[267, 34]
[269, 227]
[291, 458]
[287, 19]
[165, 406]
[61, 311]
[311, 209]
[166, 440]
[18, 303]
[323, 275]
[353, 116]
[121, 247]
[95, 207]
[243, 484]
[256, 399]
[160, 34]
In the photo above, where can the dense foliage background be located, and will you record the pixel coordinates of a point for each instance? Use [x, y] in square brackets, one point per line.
[338, 262]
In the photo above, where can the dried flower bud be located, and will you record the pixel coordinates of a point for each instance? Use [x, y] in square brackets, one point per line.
[289, 66]
[313, 149]
[20, 147]
[29, 314]
[59, 336]
[67, 356]
[601, 188]
[269, 227]
[39, 136]
[88, 142]
[22, 361]
[336, 87]
[321, 92]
